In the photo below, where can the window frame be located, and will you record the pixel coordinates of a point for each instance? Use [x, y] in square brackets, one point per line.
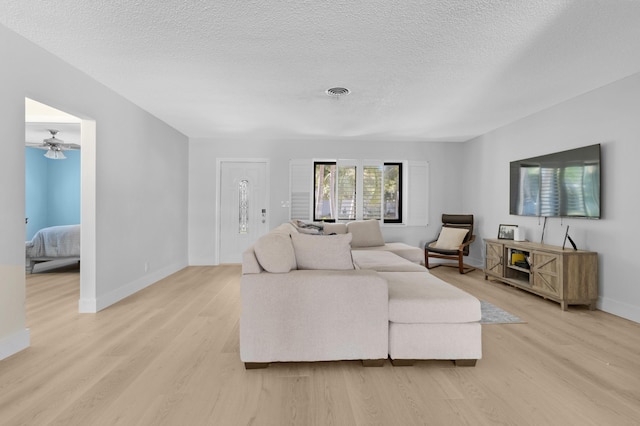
[360, 165]
[400, 202]
[315, 189]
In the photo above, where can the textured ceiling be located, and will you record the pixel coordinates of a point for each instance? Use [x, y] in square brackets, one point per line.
[418, 70]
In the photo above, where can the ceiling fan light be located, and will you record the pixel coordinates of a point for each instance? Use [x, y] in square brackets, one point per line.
[54, 154]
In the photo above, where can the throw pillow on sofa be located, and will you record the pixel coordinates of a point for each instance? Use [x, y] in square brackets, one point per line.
[366, 233]
[275, 252]
[322, 251]
[335, 228]
[450, 238]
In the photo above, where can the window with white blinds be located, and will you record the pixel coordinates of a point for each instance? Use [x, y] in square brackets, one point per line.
[346, 190]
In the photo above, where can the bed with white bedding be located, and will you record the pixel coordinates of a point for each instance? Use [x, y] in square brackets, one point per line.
[53, 244]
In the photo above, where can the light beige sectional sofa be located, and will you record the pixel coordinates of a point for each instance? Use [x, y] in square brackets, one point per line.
[348, 295]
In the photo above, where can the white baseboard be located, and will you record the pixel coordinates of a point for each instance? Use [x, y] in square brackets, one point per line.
[102, 302]
[202, 261]
[14, 343]
[619, 309]
[87, 306]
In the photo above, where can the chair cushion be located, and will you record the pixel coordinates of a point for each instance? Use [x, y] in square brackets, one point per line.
[323, 251]
[366, 233]
[275, 252]
[450, 238]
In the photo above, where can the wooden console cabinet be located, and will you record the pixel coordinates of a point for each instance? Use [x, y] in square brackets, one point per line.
[567, 276]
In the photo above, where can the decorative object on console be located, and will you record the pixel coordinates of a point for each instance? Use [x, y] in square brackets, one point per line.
[566, 236]
[519, 234]
[506, 232]
[452, 224]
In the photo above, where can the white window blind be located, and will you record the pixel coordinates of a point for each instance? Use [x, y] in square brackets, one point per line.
[346, 191]
[372, 192]
[301, 189]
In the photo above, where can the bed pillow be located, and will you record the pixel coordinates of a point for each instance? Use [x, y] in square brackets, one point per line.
[323, 251]
[366, 233]
[450, 238]
[335, 228]
[275, 252]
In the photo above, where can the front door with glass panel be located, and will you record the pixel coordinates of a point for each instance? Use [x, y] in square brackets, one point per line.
[243, 207]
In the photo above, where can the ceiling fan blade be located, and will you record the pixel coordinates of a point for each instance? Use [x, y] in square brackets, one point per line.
[69, 146]
[54, 140]
[37, 145]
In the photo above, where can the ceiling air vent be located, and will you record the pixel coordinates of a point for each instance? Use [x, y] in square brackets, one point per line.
[338, 91]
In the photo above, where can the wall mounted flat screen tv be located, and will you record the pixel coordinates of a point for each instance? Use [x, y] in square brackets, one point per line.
[563, 184]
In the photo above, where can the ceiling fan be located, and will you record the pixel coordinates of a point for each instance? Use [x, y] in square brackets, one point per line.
[54, 146]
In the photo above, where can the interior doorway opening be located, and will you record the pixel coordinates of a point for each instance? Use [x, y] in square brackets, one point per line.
[60, 195]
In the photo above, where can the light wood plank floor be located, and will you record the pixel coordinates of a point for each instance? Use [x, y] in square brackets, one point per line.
[169, 356]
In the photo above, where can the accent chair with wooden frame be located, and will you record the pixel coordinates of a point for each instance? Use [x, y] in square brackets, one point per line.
[452, 243]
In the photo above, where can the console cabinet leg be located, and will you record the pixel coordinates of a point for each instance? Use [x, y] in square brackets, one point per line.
[465, 362]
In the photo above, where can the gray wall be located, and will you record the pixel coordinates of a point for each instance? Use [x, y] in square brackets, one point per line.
[444, 183]
[609, 116]
[140, 182]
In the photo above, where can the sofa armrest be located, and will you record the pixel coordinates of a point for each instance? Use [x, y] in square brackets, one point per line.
[314, 315]
[250, 264]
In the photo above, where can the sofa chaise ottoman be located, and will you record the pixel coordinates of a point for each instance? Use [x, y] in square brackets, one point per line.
[428, 317]
[431, 319]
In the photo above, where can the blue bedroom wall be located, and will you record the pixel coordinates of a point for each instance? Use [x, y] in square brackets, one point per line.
[64, 190]
[36, 191]
[52, 190]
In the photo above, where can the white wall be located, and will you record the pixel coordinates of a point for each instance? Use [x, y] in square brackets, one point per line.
[141, 182]
[609, 116]
[444, 169]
